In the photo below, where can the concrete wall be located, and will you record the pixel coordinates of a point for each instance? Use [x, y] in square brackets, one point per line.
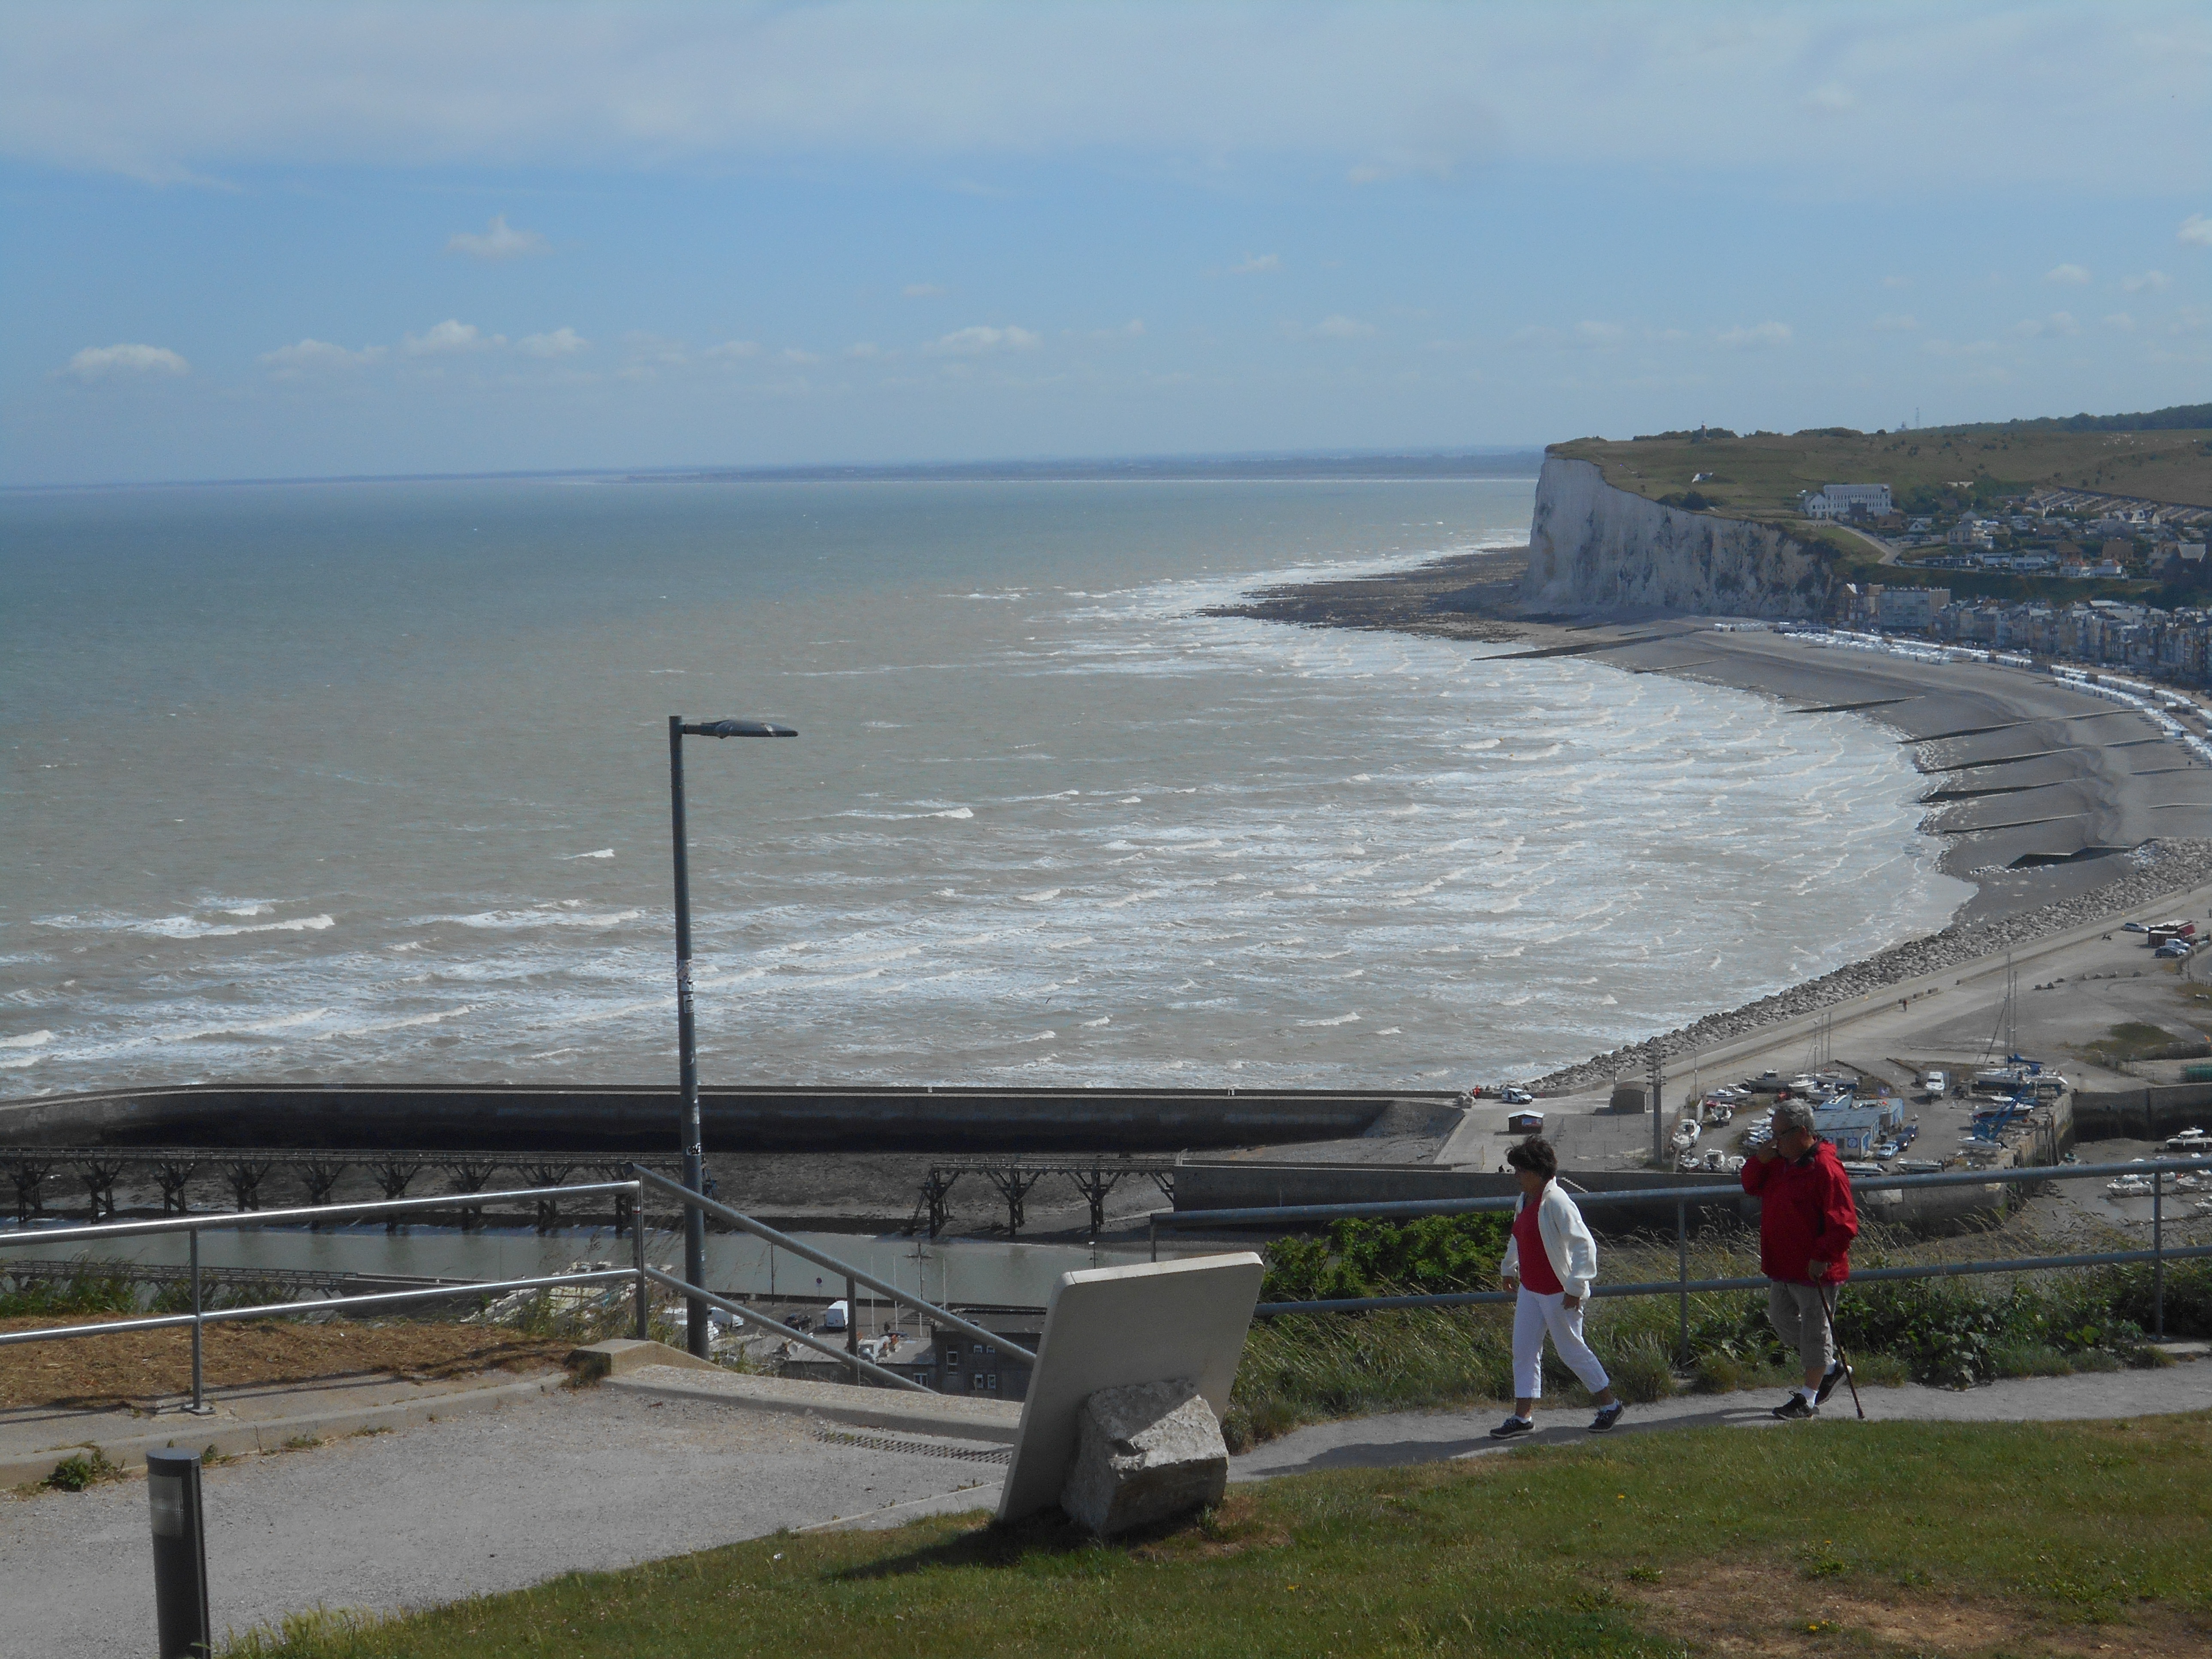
[1591, 545]
[2151, 1112]
[1203, 1185]
[616, 1120]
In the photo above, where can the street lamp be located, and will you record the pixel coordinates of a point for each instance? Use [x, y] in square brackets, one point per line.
[695, 1156]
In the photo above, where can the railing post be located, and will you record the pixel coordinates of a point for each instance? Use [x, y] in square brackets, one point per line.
[637, 1242]
[2158, 1253]
[1152, 1227]
[853, 1324]
[1682, 1271]
[199, 1406]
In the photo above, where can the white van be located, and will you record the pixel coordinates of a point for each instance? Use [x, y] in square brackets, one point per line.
[1938, 1083]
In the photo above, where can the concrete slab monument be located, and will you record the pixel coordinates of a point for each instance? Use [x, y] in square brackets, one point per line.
[1117, 1328]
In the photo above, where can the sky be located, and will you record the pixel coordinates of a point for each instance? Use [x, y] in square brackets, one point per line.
[346, 238]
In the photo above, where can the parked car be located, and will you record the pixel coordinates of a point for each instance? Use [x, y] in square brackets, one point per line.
[2173, 949]
[1887, 1150]
[1514, 1096]
[1938, 1083]
[2135, 928]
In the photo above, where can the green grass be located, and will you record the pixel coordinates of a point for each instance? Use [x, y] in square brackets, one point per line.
[2134, 1039]
[1760, 477]
[1828, 1537]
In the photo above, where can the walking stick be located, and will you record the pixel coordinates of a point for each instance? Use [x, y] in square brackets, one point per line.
[1825, 1313]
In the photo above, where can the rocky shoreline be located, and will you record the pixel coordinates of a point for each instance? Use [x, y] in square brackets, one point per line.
[2156, 869]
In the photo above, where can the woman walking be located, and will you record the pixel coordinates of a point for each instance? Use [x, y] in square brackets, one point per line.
[1551, 1261]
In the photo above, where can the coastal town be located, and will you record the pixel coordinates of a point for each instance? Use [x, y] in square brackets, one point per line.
[2067, 535]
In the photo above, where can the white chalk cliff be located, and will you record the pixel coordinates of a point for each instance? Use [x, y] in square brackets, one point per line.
[1593, 547]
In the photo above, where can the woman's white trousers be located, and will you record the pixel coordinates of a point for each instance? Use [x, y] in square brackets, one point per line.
[1532, 1315]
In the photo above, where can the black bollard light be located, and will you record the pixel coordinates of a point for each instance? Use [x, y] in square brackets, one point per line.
[181, 1583]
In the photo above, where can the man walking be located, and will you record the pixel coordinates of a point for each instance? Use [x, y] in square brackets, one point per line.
[1807, 1221]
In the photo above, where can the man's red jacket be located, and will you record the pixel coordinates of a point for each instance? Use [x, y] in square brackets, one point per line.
[1806, 1215]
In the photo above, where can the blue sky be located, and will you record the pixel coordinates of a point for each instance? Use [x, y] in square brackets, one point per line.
[285, 241]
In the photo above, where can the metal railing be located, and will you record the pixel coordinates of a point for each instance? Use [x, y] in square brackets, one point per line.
[1682, 1286]
[639, 1274]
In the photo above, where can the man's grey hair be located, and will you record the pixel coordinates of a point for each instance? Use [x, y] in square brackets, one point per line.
[1792, 1115]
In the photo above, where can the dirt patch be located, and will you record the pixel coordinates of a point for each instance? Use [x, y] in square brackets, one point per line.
[1776, 1608]
[137, 1369]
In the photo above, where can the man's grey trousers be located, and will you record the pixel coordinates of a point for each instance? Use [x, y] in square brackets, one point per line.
[1801, 1323]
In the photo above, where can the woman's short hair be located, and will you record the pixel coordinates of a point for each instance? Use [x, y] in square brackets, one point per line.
[1793, 1114]
[1537, 1156]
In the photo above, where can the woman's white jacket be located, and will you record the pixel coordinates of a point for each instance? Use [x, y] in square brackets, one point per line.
[1566, 1238]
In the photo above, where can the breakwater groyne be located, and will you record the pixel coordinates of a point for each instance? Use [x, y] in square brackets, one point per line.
[521, 1117]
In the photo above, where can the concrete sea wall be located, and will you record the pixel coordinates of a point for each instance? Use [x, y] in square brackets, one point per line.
[496, 1117]
[1593, 546]
[2151, 1113]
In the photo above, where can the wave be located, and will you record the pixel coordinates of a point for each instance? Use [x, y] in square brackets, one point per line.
[515, 921]
[184, 926]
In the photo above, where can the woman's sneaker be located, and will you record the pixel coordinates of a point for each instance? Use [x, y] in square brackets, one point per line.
[1607, 1417]
[1836, 1374]
[1794, 1408]
[1512, 1427]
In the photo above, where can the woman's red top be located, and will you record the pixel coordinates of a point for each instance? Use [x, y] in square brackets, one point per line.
[1535, 1265]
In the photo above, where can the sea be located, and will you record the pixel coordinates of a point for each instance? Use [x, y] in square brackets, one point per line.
[369, 782]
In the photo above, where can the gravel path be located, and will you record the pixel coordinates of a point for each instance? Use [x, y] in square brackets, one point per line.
[1427, 1437]
[577, 1480]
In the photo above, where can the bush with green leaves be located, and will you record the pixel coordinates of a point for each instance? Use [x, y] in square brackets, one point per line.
[1433, 1255]
[95, 1287]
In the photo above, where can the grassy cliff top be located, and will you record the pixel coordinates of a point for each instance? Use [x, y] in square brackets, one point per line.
[1760, 476]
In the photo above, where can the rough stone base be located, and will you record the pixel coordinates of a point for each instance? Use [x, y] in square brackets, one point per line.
[1143, 1453]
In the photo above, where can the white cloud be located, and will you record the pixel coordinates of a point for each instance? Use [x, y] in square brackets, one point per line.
[864, 348]
[1895, 322]
[102, 362]
[921, 290]
[1756, 336]
[306, 355]
[1255, 263]
[1897, 282]
[800, 356]
[1596, 333]
[733, 348]
[1341, 327]
[975, 340]
[562, 342]
[499, 240]
[1132, 330]
[2068, 276]
[1390, 90]
[2196, 231]
[2058, 324]
[2154, 281]
[2121, 320]
[451, 334]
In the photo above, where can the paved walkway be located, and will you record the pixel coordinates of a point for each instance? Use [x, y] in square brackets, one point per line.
[603, 1477]
[1427, 1437]
[572, 1480]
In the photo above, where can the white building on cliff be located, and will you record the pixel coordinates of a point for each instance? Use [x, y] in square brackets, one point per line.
[1849, 501]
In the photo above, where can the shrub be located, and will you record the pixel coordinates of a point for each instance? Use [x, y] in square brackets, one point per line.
[87, 1468]
[1642, 1371]
[1431, 1257]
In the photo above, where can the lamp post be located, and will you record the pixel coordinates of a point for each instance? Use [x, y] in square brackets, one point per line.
[694, 1155]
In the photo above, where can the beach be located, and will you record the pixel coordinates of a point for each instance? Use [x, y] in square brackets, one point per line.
[2059, 806]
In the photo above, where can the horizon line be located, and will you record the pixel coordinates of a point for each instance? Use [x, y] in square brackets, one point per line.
[1352, 464]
